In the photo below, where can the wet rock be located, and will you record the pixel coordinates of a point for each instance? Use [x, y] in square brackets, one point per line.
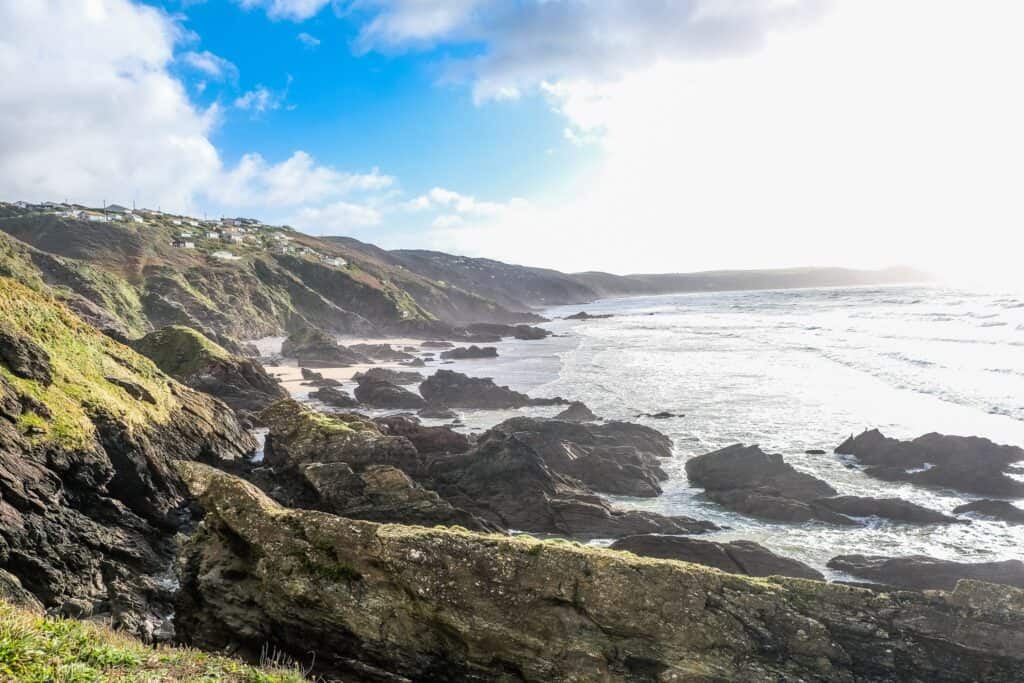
[336, 398]
[389, 375]
[386, 602]
[506, 481]
[924, 573]
[446, 388]
[896, 509]
[24, 357]
[437, 345]
[470, 352]
[750, 481]
[996, 509]
[427, 440]
[969, 464]
[737, 557]
[313, 347]
[379, 394]
[616, 457]
[434, 413]
[583, 315]
[663, 415]
[577, 412]
[523, 332]
[380, 352]
[416, 363]
[814, 451]
[312, 375]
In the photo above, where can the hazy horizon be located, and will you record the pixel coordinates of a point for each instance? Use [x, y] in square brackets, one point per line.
[621, 137]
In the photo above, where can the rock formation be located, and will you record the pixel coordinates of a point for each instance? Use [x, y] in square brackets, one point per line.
[470, 352]
[446, 388]
[313, 347]
[736, 557]
[922, 572]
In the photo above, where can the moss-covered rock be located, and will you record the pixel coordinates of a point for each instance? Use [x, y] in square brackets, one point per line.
[377, 602]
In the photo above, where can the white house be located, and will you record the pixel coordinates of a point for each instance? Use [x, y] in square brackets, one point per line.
[337, 262]
[94, 216]
[225, 256]
[137, 218]
[183, 244]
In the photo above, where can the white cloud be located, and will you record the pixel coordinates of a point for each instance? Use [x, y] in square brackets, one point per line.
[823, 148]
[529, 42]
[446, 221]
[88, 110]
[293, 10]
[296, 181]
[211, 65]
[441, 198]
[336, 218]
[308, 40]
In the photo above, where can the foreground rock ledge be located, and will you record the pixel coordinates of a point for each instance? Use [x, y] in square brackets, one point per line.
[391, 603]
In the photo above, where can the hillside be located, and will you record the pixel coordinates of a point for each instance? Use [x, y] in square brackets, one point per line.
[236, 281]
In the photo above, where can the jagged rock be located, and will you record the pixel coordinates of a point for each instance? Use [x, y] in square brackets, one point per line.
[384, 352]
[663, 415]
[449, 389]
[736, 557]
[437, 345]
[192, 359]
[438, 413]
[814, 451]
[90, 504]
[389, 375]
[311, 375]
[298, 435]
[326, 382]
[333, 397]
[970, 464]
[416, 363]
[133, 389]
[997, 509]
[583, 315]
[616, 457]
[312, 347]
[427, 440]
[506, 481]
[896, 509]
[524, 332]
[750, 481]
[380, 394]
[24, 357]
[386, 602]
[924, 573]
[13, 593]
[577, 412]
[470, 352]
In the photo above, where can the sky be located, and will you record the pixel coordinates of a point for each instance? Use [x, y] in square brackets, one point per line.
[620, 135]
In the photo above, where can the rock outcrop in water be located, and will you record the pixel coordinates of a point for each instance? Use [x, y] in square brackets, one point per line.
[615, 457]
[334, 397]
[927, 573]
[470, 352]
[384, 602]
[969, 464]
[200, 363]
[449, 389]
[382, 394]
[996, 509]
[380, 352]
[750, 481]
[577, 412]
[736, 557]
[389, 375]
[89, 499]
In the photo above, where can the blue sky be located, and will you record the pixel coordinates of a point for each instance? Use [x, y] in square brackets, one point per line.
[628, 136]
[373, 110]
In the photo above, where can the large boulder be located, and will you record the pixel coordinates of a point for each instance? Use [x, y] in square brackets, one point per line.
[427, 440]
[616, 457]
[470, 352]
[380, 394]
[923, 572]
[366, 601]
[970, 464]
[23, 357]
[380, 352]
[204, 365]
[895, 509]
[390, 375]
[750, 481]
[507, 481]
[996, 509]
[455, 390]
[334, 397]
[736, 557]
[577, 412]
[312, 347]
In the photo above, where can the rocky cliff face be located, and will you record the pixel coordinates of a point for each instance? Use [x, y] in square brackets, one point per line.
[89, 500]
[393, 603]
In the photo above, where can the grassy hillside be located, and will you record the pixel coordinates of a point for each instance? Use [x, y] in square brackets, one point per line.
[36, 649]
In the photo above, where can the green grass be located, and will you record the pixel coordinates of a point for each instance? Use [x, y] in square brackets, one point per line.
[82, 359]
[179, 351]
[37, 649]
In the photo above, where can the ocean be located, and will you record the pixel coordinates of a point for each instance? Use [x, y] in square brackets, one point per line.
[794, 370]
